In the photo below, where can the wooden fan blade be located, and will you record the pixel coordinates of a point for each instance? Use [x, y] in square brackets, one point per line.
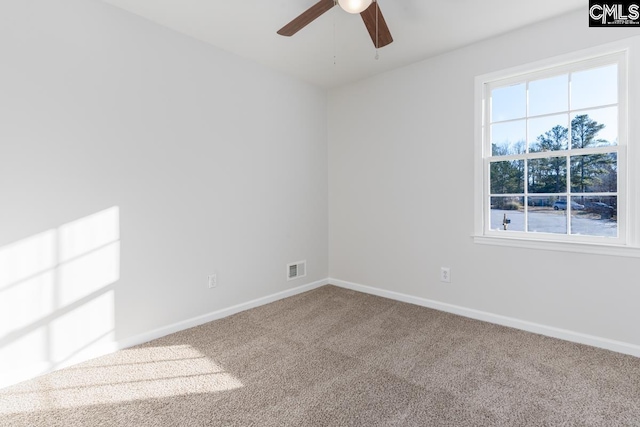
[306, 17]
[382, 36]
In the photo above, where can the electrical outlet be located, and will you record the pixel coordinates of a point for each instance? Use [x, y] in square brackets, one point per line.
[445, 274]
[213, 280]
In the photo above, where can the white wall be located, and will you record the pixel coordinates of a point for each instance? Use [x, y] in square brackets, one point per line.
[134, 162]
[401, 149]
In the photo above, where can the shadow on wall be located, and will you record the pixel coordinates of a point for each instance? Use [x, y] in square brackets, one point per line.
[57, 296]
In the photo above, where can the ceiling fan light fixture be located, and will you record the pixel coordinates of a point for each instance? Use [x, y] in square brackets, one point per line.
[354, 6]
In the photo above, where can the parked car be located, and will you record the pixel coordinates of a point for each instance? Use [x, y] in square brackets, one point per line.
[603, 209]
[562, 205]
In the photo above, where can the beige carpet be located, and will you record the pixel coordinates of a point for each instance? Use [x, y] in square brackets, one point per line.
[334, 357]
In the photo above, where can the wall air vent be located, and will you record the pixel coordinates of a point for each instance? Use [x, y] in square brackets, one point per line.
[296, 269]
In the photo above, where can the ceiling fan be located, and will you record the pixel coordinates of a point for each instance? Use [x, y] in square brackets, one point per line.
[369, 10]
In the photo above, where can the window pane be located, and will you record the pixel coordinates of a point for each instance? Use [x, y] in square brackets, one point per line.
[508, 138]
[547, 175]
[507, 213]
[549, 95]
[594, 173]
[508, 102]
[550, 217]
[594, 87]
[548, 133]
[507, 177]
[599, 217]
[595, 128]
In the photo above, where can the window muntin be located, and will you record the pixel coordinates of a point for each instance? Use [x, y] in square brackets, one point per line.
[554, 155]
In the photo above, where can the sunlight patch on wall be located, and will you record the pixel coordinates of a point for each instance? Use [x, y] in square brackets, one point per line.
[128, 375]
[56, 299]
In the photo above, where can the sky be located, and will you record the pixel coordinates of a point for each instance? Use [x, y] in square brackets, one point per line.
[555, 101]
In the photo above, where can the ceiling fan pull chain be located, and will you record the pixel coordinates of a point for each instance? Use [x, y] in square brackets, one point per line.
[334, 40]
[377, 40]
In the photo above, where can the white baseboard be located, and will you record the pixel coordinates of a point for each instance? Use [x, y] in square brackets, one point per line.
[605, 343]
[215, 315]
[550, 331]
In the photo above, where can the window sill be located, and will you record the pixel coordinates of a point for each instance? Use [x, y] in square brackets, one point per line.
[581, 247]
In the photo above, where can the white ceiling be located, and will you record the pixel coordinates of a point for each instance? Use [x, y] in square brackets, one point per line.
[336, 49]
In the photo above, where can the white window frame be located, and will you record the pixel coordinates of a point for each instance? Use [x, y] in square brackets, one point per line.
[625, 53]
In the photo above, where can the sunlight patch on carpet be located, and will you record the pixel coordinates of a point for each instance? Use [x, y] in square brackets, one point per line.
[133, 374]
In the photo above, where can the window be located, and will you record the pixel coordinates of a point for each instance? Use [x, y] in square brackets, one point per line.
[551, 162]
